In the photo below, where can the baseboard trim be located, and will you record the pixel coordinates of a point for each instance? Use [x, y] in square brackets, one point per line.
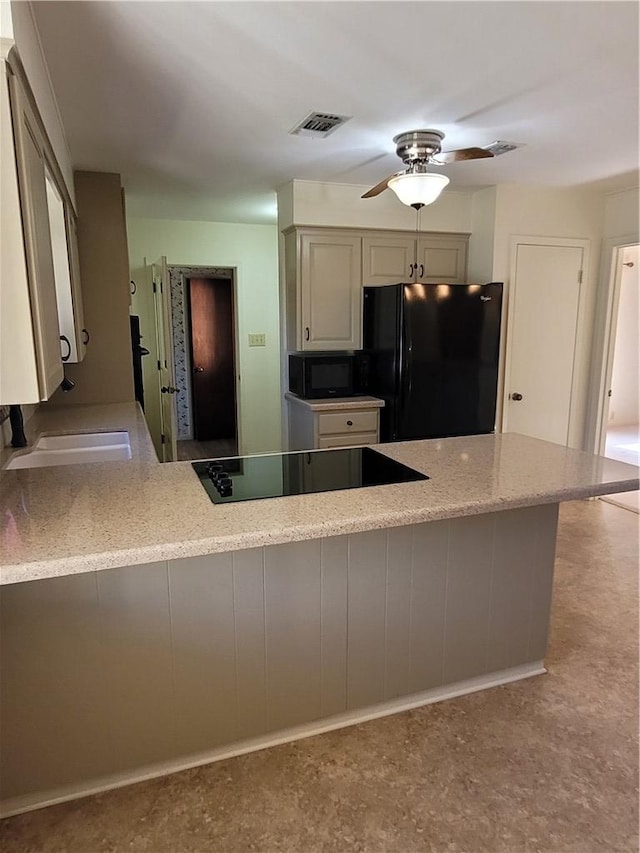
[30, 802]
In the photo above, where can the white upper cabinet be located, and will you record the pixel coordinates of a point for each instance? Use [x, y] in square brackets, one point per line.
[30, 365]
[41, 319]
[324, 294]
[389, 258]
[326, 269]
[442, 258]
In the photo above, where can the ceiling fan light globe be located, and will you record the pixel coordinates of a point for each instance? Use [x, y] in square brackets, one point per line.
[418, 188]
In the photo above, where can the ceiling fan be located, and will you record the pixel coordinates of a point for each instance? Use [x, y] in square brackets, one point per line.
[415, 186]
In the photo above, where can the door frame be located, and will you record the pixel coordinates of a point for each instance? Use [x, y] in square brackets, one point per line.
[605, 338]
[527, 240]
[198, 271]
[164, 332]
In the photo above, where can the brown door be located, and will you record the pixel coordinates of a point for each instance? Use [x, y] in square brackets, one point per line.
[212, 358]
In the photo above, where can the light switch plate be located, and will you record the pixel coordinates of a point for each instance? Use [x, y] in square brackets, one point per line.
[259, 340]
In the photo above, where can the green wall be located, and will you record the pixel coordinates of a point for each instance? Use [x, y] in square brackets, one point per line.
[253, 251]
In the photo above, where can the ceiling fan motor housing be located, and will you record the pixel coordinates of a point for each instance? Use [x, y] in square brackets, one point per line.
[417, 146]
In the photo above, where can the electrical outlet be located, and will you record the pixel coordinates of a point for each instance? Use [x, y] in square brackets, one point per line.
[258, 340]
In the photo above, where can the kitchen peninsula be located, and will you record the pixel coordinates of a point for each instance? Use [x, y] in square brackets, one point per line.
[146, 629]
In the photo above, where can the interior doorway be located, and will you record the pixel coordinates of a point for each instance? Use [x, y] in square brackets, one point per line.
[622, 405]
[212, 349]
[205, 335]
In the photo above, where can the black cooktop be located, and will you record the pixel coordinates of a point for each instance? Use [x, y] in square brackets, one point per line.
[248, 478]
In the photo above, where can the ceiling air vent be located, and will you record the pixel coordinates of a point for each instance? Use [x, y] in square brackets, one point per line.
[318, 125]
[500, 147]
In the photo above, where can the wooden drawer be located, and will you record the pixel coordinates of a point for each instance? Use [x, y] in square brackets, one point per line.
[331, 423]
[354, 439]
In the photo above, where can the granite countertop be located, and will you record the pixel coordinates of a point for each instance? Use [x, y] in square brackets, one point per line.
[336, 404]
[58, 420]
[81, 518]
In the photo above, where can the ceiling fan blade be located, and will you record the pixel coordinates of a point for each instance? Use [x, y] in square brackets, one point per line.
[461, 154]
[381, 187]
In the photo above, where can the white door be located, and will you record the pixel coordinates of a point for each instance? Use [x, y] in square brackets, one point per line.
[162, 296]
[541, 343]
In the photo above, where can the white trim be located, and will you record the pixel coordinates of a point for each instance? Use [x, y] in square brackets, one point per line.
[604, 338]
[18, 805]
[524, 240]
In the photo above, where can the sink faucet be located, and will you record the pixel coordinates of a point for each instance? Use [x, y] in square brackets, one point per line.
[18, 438]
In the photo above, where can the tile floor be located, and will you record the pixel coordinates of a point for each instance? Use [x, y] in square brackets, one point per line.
[623, 443]
[549, 764]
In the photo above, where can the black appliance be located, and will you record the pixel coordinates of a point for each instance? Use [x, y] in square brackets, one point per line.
[433, 357]
[246, 478]
[137, 352]
[315, 375]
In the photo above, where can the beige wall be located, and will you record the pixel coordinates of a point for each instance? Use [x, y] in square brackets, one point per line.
[622, 212]
[106, 374]
[340, 205]
[253, 251]
[481, 242]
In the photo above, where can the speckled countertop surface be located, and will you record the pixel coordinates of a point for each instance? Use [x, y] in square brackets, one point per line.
[337, 404]
[79, 518]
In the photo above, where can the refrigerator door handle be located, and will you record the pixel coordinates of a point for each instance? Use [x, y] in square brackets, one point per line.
[407, 377]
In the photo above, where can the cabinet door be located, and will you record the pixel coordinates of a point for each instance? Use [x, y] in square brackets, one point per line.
[442, 259]
[82, 335]
[37, 239]
[65, 267]
[388, 260]
[330, 292]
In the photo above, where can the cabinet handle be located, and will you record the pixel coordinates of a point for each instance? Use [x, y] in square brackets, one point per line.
[65, 340]
[421, 273]
[349, 423]
[411, 270]
[87, 337]
[306, 331]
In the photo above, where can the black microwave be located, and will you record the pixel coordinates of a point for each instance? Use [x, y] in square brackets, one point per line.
[314, 375]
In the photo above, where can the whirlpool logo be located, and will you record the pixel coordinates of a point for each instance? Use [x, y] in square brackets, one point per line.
[485, 299]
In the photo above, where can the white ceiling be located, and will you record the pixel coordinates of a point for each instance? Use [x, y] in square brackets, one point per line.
[192, 101]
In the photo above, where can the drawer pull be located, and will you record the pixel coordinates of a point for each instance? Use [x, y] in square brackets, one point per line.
[349, 423]
[65, 340]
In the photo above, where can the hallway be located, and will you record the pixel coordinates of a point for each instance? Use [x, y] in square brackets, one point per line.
[623, 444]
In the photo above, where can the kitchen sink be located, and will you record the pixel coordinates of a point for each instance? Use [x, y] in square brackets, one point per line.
[72, 449]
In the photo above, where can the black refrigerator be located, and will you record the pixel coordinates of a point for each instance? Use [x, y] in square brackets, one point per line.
[431, 352]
